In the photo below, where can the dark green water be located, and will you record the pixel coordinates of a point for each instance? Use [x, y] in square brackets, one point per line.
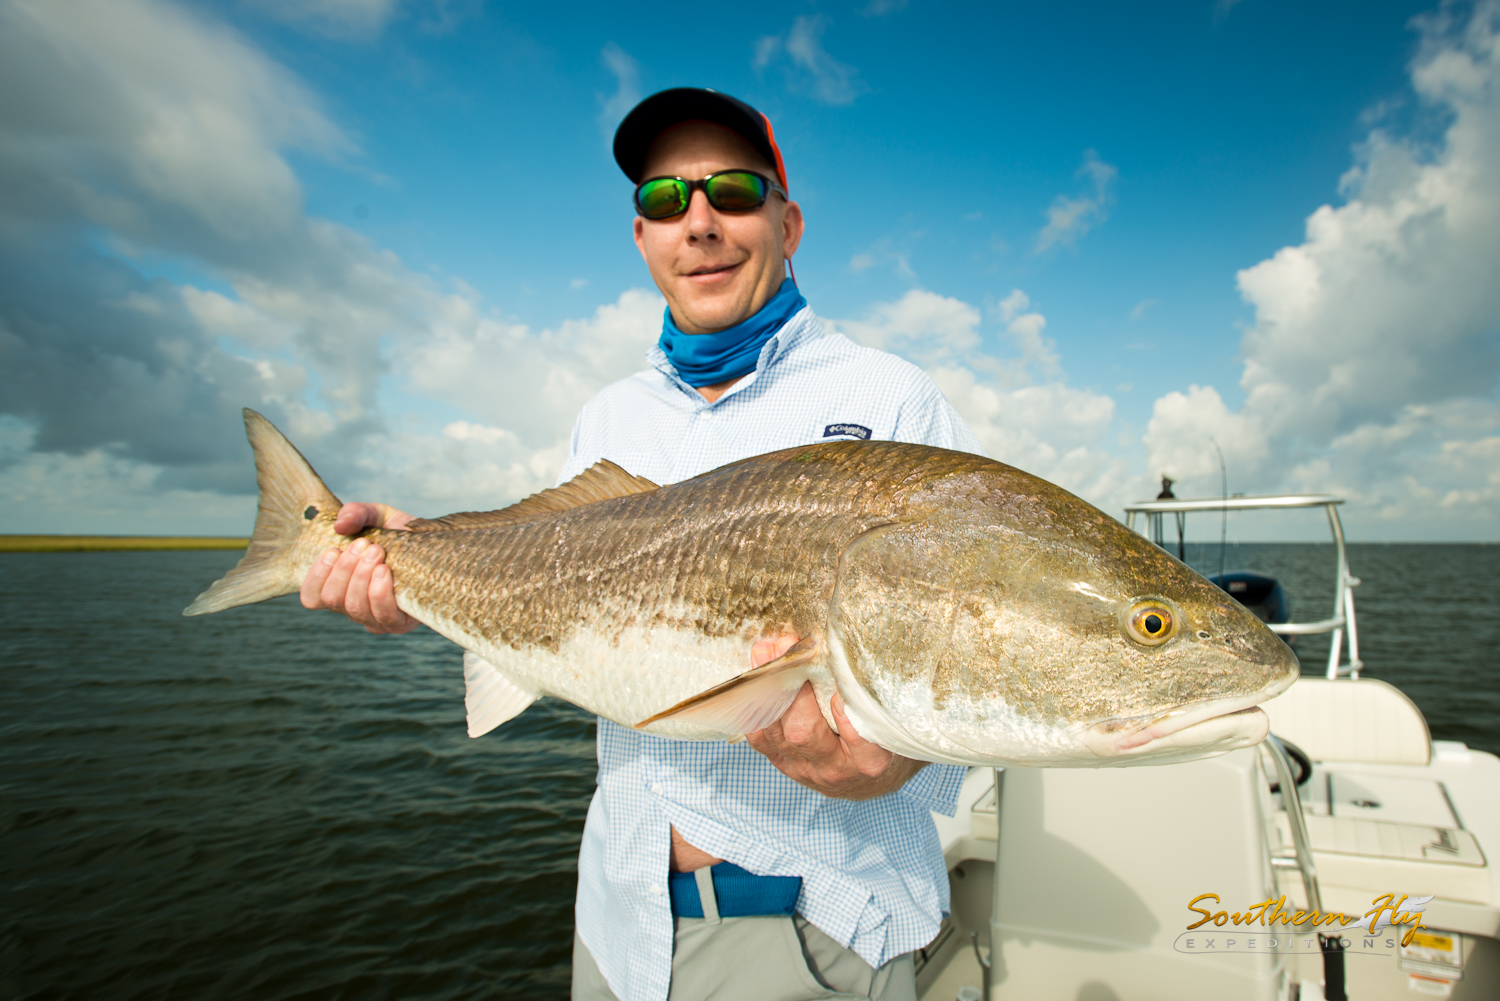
[265, 803]
[269, 803]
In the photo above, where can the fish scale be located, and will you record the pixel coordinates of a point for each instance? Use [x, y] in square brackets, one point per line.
[963, 609]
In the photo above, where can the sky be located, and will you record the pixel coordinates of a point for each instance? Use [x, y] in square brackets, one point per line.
[1116, 236]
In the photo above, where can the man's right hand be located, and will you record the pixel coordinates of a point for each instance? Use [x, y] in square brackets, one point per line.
[357, 582]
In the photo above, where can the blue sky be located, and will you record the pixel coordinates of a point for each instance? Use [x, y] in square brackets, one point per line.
[396, 228]
[953, 131]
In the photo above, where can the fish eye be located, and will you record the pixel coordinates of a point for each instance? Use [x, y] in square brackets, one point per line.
[1150, 623]
[310, 513]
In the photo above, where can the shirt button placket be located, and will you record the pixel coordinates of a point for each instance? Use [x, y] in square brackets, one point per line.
[653, 769]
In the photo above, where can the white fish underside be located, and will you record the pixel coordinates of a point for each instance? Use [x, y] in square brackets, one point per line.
[630, 676]
[625, 677]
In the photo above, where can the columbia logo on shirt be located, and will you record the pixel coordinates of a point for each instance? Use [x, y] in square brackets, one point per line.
[852, 430]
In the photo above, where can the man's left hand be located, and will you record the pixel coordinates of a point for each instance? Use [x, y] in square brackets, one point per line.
[804, 747]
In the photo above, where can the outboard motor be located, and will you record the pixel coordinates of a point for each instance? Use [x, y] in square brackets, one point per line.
[1262, 594]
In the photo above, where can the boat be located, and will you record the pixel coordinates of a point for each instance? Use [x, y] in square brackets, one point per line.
[1198, 880]
[1261, 593]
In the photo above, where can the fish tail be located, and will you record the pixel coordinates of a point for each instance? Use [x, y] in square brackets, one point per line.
[294, 523]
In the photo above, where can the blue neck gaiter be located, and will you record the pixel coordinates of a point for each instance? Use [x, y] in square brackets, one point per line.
[709, 359]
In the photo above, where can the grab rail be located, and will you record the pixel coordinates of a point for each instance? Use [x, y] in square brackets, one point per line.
[1291, 802]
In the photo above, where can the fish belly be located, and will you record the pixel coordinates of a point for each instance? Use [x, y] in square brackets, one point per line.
[624, 675]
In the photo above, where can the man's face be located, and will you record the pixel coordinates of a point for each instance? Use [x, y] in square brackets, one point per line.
[715, 268]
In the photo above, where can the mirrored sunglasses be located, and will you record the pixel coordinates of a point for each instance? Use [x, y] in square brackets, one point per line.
[727, 191]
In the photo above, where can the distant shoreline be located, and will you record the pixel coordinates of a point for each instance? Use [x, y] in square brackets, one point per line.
[106, 543]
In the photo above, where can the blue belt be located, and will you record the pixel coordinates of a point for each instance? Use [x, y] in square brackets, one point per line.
[740, 894]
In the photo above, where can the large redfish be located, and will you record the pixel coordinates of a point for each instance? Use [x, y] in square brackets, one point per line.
[964, 610]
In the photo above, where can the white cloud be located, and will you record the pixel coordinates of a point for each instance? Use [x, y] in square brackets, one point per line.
[166, 132]
[95, 492]
[533, 383]
[627, 93]
[1071, 216]
[1435, 466]
[1372, 365]
[922, 326]
[809, 66]
[1178, 438]
[222, 316]
[1139, 309]
[1025, 329]
[1017, 403]
[1053, 430]
[361, 19]
[138, 113]
[1223, 7]
[1013, 305]
[521, 390]
[464, 431]
[365, 20]
[883, 251]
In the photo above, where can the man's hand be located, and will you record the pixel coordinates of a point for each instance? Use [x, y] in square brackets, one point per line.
[804, 747]
[357, 582]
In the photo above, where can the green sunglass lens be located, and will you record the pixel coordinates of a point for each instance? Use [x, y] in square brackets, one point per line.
[661, 198]
[736, 192]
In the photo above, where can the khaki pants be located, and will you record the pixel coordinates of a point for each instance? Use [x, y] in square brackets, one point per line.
[760, 959]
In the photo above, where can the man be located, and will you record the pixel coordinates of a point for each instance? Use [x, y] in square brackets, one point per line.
[802, 863]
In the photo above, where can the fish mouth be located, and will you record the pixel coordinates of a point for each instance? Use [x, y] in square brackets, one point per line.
[1196, 729]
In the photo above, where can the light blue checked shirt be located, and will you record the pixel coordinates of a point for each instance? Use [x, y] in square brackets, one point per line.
[872, 872]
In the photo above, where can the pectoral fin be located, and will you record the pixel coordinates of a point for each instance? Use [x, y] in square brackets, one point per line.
[490, 698]
[751, 701]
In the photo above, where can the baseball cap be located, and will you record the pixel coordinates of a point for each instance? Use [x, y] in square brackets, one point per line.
[667, 108]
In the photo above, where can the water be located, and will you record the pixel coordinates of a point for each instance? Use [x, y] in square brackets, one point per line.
[265, 803]
[268, 803]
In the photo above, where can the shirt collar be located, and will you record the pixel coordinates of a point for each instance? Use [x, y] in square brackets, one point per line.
[801, 329]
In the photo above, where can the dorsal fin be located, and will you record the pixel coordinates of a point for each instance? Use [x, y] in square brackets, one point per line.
[601, 481]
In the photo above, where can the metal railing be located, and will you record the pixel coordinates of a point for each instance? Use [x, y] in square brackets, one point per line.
[1302, 861]
[1291, 802]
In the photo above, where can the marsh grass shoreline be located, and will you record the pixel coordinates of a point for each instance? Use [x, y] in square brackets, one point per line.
[107, 543]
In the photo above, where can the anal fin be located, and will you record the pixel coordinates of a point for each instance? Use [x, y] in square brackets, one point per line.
[490, 698]
[750, 702]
